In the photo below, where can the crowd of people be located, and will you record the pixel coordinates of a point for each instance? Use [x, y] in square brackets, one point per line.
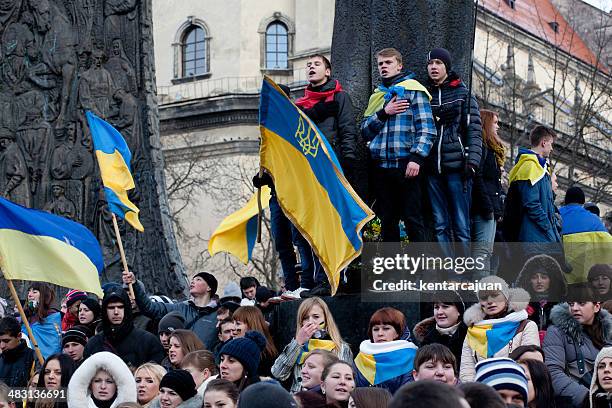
[537, 341]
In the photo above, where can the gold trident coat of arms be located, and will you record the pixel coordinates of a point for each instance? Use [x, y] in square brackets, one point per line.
[309, 142]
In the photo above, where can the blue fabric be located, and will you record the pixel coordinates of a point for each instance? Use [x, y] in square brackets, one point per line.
[48, 334]
[483, 236]
[283, 243]
[451, 206]
[392, 91]
[400, 136]
[524, 150]
[391, 385]
[576, 219]
[107, 139]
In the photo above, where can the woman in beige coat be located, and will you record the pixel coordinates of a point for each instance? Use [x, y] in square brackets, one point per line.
[504, 309]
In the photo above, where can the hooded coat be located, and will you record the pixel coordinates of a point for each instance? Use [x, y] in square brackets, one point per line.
[562, 341]
[79, 394]
[518, 300]
[16, 364]
[598, 398]
[135, 346]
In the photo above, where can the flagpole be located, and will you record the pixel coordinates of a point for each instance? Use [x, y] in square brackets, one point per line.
[24, 319]
[259, 209]
[122, 252]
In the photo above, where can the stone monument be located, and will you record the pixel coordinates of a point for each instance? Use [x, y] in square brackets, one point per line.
[58, 59]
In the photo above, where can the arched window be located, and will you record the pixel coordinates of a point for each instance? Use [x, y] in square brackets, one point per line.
[193, 52]
[277, 46]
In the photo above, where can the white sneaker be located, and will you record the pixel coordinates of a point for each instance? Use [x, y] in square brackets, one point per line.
[293, 294]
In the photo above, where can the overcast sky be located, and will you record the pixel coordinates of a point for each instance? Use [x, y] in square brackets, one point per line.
[602, 4]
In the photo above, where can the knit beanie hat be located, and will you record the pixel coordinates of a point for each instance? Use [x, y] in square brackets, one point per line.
[73, 296]
[171, 322]
[263, 294]
[247, 350]
[574, 195]
[605, 352]
[518, 298]
[265, 395]
[181, 382]
[93, 305]
[449, 297]
[210, 280]
[592, 207]
[78, 334]
[600, 269]
[443, 55]
[502, 373]
[231, 292]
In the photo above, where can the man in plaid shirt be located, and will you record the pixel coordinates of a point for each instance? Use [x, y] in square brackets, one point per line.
[399, 125]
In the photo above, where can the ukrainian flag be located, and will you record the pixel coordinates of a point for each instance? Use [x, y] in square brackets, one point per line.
[237, 232]
[114, 159]
[314, 344]
[38, 246]
[379, 362]
[310, 186]
[490, 336]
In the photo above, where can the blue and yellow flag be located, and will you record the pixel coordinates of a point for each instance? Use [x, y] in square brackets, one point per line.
[310, 186]
[314, 344]
[379, 362]
[48, 334]
[528, 166]
[38, 246]
[237, 232]
[490, 336]
[114, 159]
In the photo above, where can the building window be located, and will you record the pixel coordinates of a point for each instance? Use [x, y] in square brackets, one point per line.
[511, 3]
[277, 46]
[193, 51]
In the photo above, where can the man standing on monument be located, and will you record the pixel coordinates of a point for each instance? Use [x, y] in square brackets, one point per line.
[331, 109]
[456, 154]
[400, 127]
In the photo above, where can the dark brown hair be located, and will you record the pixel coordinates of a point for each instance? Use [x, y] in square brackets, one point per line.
[435, 352]
[324, 59]
[189, 341]
[539, 133]
[47, 296]
[224, 386]
[254, 319]
[200, 359]
[390, 316]
[371, 397]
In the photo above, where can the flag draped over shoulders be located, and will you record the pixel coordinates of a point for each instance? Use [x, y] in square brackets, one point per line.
[490, 336]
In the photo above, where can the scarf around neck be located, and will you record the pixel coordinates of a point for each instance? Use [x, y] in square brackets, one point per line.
[311, 97]
[379, 362]
[448, 331]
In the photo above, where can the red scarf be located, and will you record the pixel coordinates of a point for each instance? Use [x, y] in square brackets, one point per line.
[311, 98]
[68, 321]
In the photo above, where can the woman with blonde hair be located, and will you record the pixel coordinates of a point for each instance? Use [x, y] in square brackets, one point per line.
[148, 376]
[183, 342]
[250, 318]
[487, 192]
[315, 329]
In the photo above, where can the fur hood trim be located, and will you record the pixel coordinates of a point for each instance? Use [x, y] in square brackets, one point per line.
[78, 388]
[518, 300]
[422, 328]
[558, 282]
[194, 402]
[562, 318]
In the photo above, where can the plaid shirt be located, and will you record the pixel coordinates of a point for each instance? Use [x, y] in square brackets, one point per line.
[404, 137]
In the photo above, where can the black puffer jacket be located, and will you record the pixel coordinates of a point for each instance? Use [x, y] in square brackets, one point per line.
[487, 192]
[135, 346]
[449, 105]
[340, 130]
[15, 365]
[426, 333]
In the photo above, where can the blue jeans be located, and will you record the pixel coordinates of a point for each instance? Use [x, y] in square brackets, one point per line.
[282, 233]
[484, 237]
[450, 202]
[312, 271]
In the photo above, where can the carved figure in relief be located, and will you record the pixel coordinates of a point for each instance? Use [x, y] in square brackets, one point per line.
[59, 204]
[121, 68]
[13, 170]
[96, 87]
[127, 121]
[15, 42]
[70, 160]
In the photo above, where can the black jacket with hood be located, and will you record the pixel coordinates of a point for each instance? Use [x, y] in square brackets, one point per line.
[135, 346]
[449, 105]
[16, 365]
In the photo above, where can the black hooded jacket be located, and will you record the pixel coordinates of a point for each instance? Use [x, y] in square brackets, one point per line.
[135, 346]
[449, 105]
[16, 364]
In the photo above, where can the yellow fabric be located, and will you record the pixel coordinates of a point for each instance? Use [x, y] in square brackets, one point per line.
[316, 344]
[46, 259]
[585, 249]
[366, 364]
[527, 168]
[116, 176]
[231, 235]
[477, 339]
[377, 99]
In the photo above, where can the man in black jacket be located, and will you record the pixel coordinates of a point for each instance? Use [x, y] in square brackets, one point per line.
[456, 153]
[135, 346]
[16, 358]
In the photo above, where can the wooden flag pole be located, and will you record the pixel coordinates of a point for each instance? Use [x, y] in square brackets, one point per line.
[122, 252]
[24, 319]
[259, 209]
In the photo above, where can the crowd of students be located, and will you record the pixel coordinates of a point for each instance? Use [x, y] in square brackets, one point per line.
[535, 342]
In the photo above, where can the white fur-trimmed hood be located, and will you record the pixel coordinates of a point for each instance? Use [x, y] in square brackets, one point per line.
[518, 300]
[78, 388]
